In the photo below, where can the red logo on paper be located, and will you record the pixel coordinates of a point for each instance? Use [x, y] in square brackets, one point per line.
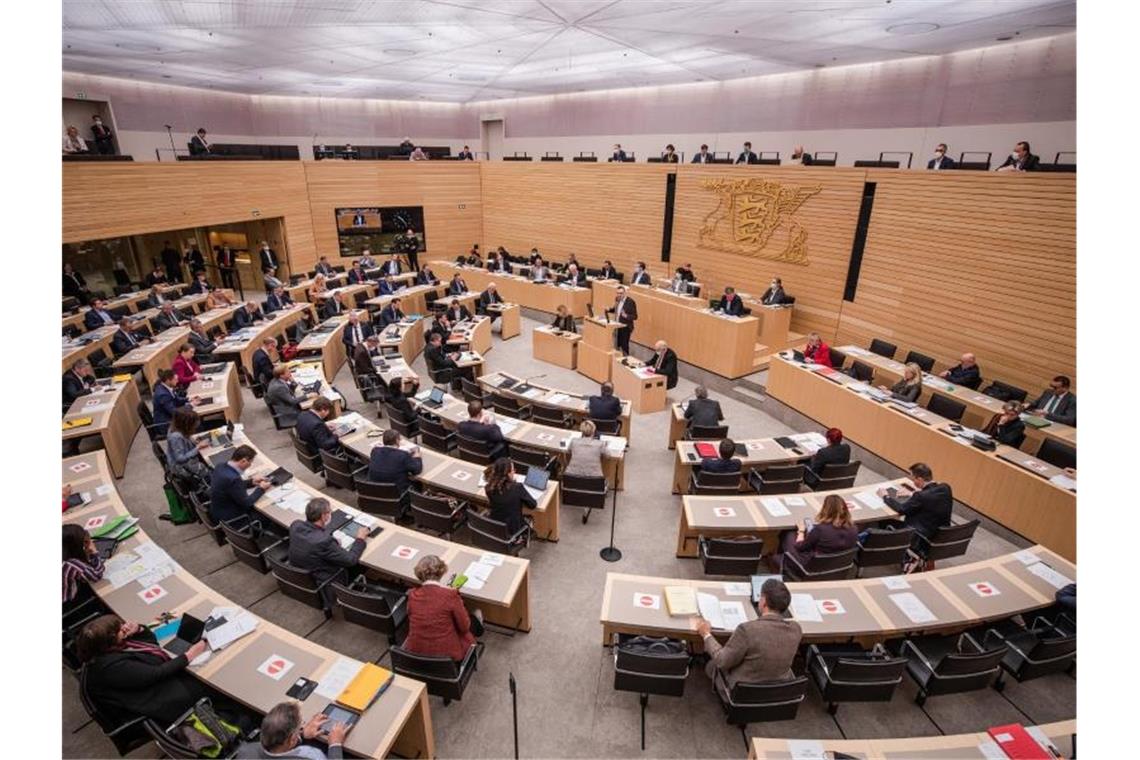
[984, 589]
[152, 593]
[275, 667]
[404, 552]
[646, 601]
[829, 605]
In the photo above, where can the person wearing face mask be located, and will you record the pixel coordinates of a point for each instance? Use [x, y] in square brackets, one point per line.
[640, 276]
[618, 154]
[104, 140]
[774, 295]
[940, 161]
[1021, 160]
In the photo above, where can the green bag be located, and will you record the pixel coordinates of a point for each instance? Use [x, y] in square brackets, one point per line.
[180, 514]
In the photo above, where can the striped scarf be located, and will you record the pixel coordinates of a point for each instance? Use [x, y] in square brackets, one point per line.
[76, 571]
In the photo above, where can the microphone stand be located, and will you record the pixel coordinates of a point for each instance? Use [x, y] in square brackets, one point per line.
[170, 134]
[514, 710]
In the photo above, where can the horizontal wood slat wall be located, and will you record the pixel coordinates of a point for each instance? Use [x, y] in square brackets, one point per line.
[965, 261]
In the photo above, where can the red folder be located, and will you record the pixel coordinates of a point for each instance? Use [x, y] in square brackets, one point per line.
[1017, 744]
[707, 450]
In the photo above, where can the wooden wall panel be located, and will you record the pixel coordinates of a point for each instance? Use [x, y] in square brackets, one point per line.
[967, 261]
[449, 191]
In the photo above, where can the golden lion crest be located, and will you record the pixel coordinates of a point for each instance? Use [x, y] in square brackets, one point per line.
[750, 213]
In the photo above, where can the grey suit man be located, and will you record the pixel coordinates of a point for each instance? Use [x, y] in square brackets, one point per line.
[314, 549]
[759, 650]
[702, 410]
[284, 404]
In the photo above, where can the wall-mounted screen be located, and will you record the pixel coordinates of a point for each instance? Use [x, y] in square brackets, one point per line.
[376, 228]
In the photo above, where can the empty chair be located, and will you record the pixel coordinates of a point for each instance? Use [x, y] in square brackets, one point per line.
[1035, 652]
[251, 546]
[844, 673]
[659, 667]
[1005, 392]
[381, 499]
[706, 433]
[371, 388]
[298, 584]
[487, 533]
[882, 348]
[714, 483]
[407, 428]
[583, 491]
[950, 665]
[438, 514]
[922, 360]
[435, 436]
[201, 504]
[472, 391]
[1057, 454]
[832, 476]
[883, 548]
[544, 415]
[306, 454]
[470, 450]
[838, 358]
[373, 605]
[535, 458]
[948, 541]
[607, 427]
[441, 376]
[946, 407]
[820, 567]
[510, 406]
[340, 471]
[777, 479]
[862, 372]
[730, 556]
[760, 702]
[443, 676]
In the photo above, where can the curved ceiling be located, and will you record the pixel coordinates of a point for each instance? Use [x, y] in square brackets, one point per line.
[467, 50]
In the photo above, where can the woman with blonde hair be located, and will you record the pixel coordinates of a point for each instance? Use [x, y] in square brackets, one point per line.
[317, 287]
[586, 453]
[910, 387]
[833, 531]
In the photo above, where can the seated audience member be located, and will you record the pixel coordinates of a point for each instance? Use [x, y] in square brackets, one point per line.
[438, 623]
[313, 429]
[248, 315]
[562, 320]
[1057, 404]
[391, 314]
[702, 156]
[473, 258]
[607, 272]
[186, 367]
[574, 276]
[664, 362]
[331, 307]
[392, 267]
[157, 276]
[480, 426]
[355, 331]
[966, 372]
[941, 161]
[271, 280]
[586, 453]
[926, 509]
[314, 549]
[263, 361]
[319, 287]
[73, 143]
[281, 396]
[217, 299]
[457, 312]
[731, 304]
[363, 355]
[387, 286]
[356, 275]
[169, 317]
[909, 388]
[98, 316]
[1007, 426]
[200, 340]
[488, 297]
[82, 566]
[686, 273]
[640, 275]
[759, 650]
[774, 295]
[201, 286]
[282, 734]
[366, 261]
[440, 325]
[125, 339]
[833, 531]
[606, 406]
[437, 359]
[388, 463]
[507, 496]
[155, 299]
[230, 494]
[166, 398]
[400, 391]
[181, 451]
[426, 277]
[498, 263]
[800, 157]
[1020, 160]
[726, 462]
[816, 351]
[78, 381]
[324, 268]
[278, 300]
[128, 674]
[539, 272]
[837, 451]
[457, 286]
[703, 411]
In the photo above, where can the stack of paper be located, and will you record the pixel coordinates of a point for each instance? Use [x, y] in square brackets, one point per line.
[725, 616]
[870, 499]
[681, 600]
[337, 678]
[477, 574]
[804, 609]
[774, 506]
[236, 626]
[615, 444]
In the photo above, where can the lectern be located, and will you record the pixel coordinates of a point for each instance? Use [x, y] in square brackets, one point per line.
[596, 349]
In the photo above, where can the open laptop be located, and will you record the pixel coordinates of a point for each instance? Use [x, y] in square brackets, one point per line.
[435, 398]
[537, 478]
[218, 458]
[797, 356]
[190, 632]
[339, 519]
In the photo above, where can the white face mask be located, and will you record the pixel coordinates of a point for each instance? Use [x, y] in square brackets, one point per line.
[939, 153]
[1014, 156]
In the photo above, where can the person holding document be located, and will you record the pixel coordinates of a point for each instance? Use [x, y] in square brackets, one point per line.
[438, 623]
[833, 531]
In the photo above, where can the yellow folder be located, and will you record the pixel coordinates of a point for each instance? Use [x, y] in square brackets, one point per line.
[681, 600]
[362, 690]
[77, 422]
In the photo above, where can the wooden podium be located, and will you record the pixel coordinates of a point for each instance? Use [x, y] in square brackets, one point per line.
[646, 392]
[596, 349]
[558, 349]
[775, 321]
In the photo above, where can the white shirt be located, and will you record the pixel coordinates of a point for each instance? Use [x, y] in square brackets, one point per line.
[74, 144]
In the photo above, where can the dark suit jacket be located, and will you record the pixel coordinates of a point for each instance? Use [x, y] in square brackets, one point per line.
[457, 315]
[618, 156]
[312, 430]
[457, 288]
[746, 157]
[362, 360]
[152, 279]
[947, 163]
[608, 273]
[165, 402]
[314, 550]
[390, 315]
[269, 259]
[773, 296]
[203, 346]
[262, 367]
[230, 497]
[564, 323]
[641, 278]
[926, 510]
[604, 407]
[628, 314]
[1011, 434]
[971, 377]
[75, 386]
[74, 285]
[325, 269]
[489, 434]
[840, 453]
[92, 319]
[580, 280]
[502, 266]
[355, 277]
[243, 318]
[349, 336]
[198, 147]
[901, 390]
[507, 506]
[486, 298]
[437, 358]
[225, 259]
[282, 401]
[1029, 165]
[389, 464]
[330, 307]
[1066, 411]
[668, 367]
[717, 464]
[422, 278]
[699, 159]
[704, 412]
[735, 307]
[121, 343]
[198, 287]
[273, 303]
[163, 322]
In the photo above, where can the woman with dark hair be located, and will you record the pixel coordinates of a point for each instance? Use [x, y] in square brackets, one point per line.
[82, 566]
[128, 674]
[833, 531]
[670, 155]
[185, 367]
[398, 399]
[508, 497]
[181, 450]
[835, 452]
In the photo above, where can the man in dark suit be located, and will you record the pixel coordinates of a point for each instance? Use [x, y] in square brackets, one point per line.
[78, 381]
[409, 245]
[391, 464]
[757, 651]
[195, 261]
[730, 303]
[355, 331]
[466, 154]
[248, 315]
[664, 362]
[324, 267]
[74, 284]
[166, 398]
[574, 276]
[703, 157]
[312, 427]
[363, 354]
[155, 299]
[104, 139]
[169, 317]
[171, 261]
[438, 358]
[966, 372]
[226, 266]
[618, 154]
[746, 156]
[726, 462]
[774, 295]
[278, 300]
[392, 266]
[391, 314]
[940, 161]
[497, 262]
[199, 145]
[488, 297]
[1057, 404]
[200, 340]
[607, 272]
[124, 340]
[263, 360]
[98, 316]
[156, 276]
[928, 508]
[230, 497]
[331, 307]
[625, 312]
[605, 406]
[457, 286]
[457, 312]
[1021, 160]
[314, 549]
[640, 275]
[478, 427]
[387, 286]
[268, 257]
[201, 286]
[440, 325]
[703, 411]
[356, 275]
[358, 220]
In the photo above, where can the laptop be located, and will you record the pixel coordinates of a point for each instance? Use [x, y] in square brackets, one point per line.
[797, 356]
[213, 369]
[190, 632]
[218, 458]
[435, 399]
[105, 547]
[741, 449]
[537, 478]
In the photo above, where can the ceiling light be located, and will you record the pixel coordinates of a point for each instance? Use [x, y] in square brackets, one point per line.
[914, 27]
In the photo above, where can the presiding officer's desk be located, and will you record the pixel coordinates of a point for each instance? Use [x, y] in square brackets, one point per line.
[1006, 485]
[576, 404]
[980, 408]
[150, 357]
[768, 516]
[723, 345]
[759, 453]
[113, 411]
[867, 610]
[517, 289]
[977, 746]
[242, 343]
[400, 719]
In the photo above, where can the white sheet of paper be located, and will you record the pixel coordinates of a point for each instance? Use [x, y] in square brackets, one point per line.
[709, 607]
[738, 589]
[494, 560]
[732, 614]
[479, 570]
[913, 608]
[991, 750]
[233, 629]
[804, 609]
[1064, 481]
[473, 584]
[801, 749]
[896, 582]
[1049, 575]
[795, 501]
[870, 499]
[774, 506]
[338, 677]
[1027, 557]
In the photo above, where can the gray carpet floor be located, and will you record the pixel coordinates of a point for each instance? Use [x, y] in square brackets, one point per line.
[567, 706]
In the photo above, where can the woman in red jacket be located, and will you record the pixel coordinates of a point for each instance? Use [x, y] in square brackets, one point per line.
[185, 368]
[438, 623]
[816, 351]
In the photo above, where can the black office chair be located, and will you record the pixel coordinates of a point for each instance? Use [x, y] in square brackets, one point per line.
[510, 406]
[438, 514]
[473, 391]
[201, 504]
[445, 376]
[340, 471]
[372, 389]
[760, 702]
[707, 483]
[1005, 392]
[657, 667]
[443, 676]
[381, 499]
[308, 456]
[946, 407]
[300, 585]
[409, 429]
[882, 348]
[730, 556]
[847, 673]
[777, 479]
[950, 665]
[251, 545]
[588, 493]
[1057, 454]
[279, 418]
[127, 736]
[862, 372]
[607, 427]
[838, 358]
[706, 433]
[947, 542]
[154, 432]
[926, 363]
[471, 450]
[373, 605]
[832, 476]
[1034, 652]
[493, 535]
[523, 455]
[836, 566]
[545, 415]
[435, 436]
[884, 548]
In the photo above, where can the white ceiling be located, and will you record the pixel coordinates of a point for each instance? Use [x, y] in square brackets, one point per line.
[474, 50]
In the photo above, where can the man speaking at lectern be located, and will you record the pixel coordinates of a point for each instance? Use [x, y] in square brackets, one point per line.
[625, 312]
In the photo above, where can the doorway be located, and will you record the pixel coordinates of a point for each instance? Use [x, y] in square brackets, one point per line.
[491, 134]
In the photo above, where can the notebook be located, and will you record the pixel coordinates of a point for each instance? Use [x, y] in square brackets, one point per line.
[706, 450]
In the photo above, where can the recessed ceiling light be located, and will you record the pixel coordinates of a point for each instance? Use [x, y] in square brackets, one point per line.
[914, 27]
